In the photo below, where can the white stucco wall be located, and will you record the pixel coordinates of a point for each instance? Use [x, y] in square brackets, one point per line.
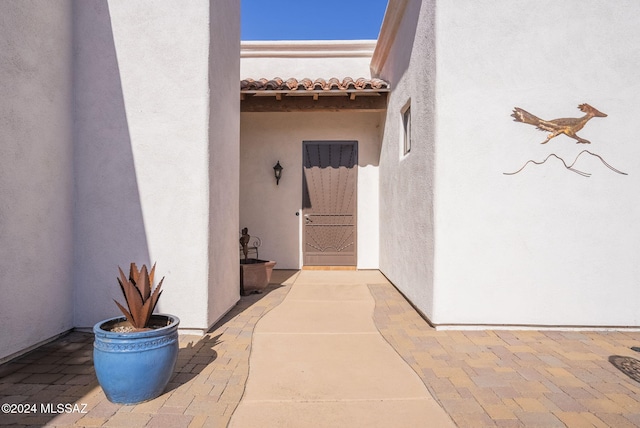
[407, 181]
[36, 173]
[543, 247]
[143, 151]
[269, 211]
[546, 246]
[224, 157]
[311, 59]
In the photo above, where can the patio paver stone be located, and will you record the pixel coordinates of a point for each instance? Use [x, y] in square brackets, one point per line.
[503, 378]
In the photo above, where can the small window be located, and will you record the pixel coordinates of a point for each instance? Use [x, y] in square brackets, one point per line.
[406, 128]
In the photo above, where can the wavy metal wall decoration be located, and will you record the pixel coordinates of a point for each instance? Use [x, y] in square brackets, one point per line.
[567, 126]
[570, 167]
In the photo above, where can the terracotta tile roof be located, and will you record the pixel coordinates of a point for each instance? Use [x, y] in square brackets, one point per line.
[291, 84]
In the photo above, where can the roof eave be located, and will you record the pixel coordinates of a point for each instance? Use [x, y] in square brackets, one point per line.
[390, 24]
[307, 49]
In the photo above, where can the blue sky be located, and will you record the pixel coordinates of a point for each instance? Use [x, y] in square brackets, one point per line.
[311, 19]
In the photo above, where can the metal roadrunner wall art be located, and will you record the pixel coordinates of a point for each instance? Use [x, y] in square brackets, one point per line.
[567, 126]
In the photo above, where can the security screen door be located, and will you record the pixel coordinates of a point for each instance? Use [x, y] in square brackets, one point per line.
[329, 202]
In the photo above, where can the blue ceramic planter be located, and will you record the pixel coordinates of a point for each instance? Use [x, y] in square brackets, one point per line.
[135, 367]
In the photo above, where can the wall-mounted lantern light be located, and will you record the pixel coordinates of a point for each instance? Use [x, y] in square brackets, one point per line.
[277, 170]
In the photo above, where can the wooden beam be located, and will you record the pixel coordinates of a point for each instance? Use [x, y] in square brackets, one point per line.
[301, 104]
[308, 93]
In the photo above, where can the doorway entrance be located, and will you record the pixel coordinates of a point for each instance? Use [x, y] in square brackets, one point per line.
[329, 199]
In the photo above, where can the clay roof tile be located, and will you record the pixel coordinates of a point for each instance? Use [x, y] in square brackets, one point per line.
[306, 83]
[273, 84]
[292, 84]
[320, 84]
[334, 83]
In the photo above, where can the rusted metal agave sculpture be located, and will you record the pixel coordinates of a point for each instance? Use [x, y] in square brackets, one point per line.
[140, 298]
[134, 359]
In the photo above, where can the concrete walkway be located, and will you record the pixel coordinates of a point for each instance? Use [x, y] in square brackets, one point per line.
[318, 360]
[488, 378]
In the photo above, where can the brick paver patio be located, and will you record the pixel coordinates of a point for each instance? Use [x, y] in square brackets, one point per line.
[512, 378]
[481, 378]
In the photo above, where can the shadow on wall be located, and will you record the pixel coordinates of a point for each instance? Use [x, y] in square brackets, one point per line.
[109, 226]
[324, 160]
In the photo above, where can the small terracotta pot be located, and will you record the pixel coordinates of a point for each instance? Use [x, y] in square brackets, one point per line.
[255, 275]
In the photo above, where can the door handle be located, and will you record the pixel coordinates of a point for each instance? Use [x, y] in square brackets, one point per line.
[307, 219]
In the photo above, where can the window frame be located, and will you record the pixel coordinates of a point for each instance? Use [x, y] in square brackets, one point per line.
[405, 119]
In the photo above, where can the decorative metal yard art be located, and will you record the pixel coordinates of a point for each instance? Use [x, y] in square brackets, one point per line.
[255, 274]
[134, 356]
[244, 242]
[570, 166]
[568, 127]
[141, 301]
